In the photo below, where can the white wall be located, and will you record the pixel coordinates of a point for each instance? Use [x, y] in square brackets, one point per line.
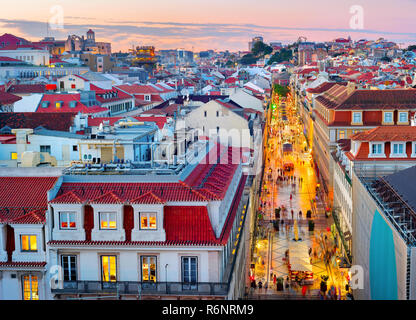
[36, 57]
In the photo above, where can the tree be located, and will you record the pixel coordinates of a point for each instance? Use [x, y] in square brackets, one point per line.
[386, 59]
[261, 49]
[411, 48]
[229, 64]
[248, 59]
[280, 56]
[280, 90]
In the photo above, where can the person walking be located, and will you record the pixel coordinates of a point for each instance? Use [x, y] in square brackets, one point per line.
[260, 284]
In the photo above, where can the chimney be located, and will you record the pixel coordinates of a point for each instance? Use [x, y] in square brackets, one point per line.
[350, 87]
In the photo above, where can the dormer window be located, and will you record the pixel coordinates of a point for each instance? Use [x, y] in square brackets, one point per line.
[147, 97]
[108, 221]
[67, 220]
[403, 117]
[388, 117]
[29, 243]
[357, 118]
[398, 149]
[377, 149]
[148, 221]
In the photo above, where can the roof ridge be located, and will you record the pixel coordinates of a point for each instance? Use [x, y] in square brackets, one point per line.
[149, 193]
[68, 193]
[108, 193]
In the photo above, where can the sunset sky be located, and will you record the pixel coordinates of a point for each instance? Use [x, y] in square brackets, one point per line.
[213, 24]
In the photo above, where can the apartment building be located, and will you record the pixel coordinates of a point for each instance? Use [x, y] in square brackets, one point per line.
[376, 152]
[343, 111]
[150, 237]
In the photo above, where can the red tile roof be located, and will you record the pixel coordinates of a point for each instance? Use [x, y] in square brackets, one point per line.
[148, 198]
[108, 198]
[208, 181]
[184, 225]
[8, 98]
[387, 133]
[100, 94]
[31, 120]
[65, 99]
[19, 196]
[23, 264]
[380, 99]
[33, 217]
[8, 139]
[8, 59]
[324, 87]
[27, 88]
[188, 224]
[138, 89]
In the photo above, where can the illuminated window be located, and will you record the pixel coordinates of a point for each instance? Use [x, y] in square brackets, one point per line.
[109, 268]
[108, 220]
[29, 243]
[13, 155]
[342, 134]
[67, 220]
[149, 268]
[30, 287]
[148, 221]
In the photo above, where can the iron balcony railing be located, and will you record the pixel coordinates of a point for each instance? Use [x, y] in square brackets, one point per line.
[143, 288]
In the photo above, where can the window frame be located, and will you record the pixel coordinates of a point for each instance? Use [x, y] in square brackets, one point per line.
[388, 113]
[403, 113]
[382, 151]
[148, 220]
[400, 154]
[108, 213]
[190, 282]
[142, 258]
[353, 117]
[29, 242]
[109, 268]
[69, 264]
[30, 279]
[45, 146]
[67, 213]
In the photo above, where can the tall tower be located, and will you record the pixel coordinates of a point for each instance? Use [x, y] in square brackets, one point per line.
[90, 37]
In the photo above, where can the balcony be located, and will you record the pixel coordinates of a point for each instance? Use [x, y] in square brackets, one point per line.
[143, 288]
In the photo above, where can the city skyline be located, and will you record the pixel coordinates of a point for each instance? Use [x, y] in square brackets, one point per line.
[183, 24]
